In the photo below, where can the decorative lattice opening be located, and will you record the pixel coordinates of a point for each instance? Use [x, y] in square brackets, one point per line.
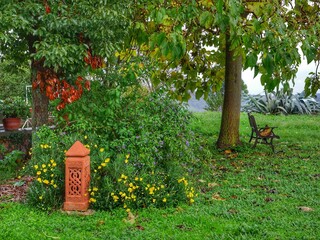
[74, 182]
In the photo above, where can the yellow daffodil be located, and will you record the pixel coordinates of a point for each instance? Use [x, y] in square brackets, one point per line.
[46, 181]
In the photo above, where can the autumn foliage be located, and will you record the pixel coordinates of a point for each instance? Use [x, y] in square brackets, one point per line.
[54, 87]
[93, 61]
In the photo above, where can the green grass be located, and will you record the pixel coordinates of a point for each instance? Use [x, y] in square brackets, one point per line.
[246, 194]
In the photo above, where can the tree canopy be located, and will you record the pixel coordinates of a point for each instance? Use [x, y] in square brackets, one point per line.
[188, 37]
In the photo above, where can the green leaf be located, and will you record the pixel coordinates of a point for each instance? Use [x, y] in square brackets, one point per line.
[199, 93]
[160, 38]
[219, 6]
[206, 19]
[268, 63]
[251, 60]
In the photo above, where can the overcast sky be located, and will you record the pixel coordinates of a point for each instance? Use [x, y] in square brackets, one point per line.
[255, 87]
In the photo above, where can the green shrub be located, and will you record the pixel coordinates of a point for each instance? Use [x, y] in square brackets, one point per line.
[11, 162]
[141, 150]
[215, 101]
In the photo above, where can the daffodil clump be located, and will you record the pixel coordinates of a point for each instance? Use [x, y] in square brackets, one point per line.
[123, 187]
[45, 190]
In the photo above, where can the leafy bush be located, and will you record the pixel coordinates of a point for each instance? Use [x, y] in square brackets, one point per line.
[12, 161]
[142, 150]
[280, 102]
[13, 107]
[215, 101]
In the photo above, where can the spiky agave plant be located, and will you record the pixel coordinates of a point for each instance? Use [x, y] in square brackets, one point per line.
[281, 102]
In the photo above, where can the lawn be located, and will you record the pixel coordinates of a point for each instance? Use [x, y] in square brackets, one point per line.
[244, 193]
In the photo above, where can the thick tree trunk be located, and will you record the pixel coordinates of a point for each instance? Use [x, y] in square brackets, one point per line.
[230, 121]
[40, 102]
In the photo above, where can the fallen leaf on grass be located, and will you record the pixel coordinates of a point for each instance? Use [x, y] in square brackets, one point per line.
[131, 219]
[217, 197]
[179, 209]
[268, 199]
[306, 209]
[139, 227]
[232, 211]
[213, 185]
[228, 151]
[183, 227]
[100, 222]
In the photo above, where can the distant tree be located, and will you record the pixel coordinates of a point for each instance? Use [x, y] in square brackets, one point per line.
[64, 41]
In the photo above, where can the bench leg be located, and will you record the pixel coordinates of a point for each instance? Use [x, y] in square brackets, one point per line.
[255, 143]
[251, 137]
[271, 144]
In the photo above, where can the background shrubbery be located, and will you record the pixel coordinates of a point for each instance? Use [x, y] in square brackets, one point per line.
[142, 150]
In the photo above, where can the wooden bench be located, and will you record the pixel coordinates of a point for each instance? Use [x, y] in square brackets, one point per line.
[264, 135]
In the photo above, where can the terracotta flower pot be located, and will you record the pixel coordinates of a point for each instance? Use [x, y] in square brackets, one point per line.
[11, 124]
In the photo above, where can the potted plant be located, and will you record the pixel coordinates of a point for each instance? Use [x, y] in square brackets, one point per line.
[13, 110]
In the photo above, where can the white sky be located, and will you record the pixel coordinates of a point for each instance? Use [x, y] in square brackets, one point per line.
[254, 85]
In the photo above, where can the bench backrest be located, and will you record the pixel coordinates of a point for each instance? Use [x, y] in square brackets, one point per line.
[252, 122]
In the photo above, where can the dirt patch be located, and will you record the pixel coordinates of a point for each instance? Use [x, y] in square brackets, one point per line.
[14, 190]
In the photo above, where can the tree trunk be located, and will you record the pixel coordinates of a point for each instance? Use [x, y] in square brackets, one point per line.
[40, 102]
[230, 121]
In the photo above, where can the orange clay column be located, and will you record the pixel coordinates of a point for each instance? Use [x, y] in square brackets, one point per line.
[77, 176]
